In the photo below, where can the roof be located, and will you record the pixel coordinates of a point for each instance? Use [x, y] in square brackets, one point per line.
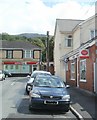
[67, 24]
[18, 45]
[41, 71]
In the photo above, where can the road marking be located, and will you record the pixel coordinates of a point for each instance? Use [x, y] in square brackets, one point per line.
[12, 83]
[76, 113]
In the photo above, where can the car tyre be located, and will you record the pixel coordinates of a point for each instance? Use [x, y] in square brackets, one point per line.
[30, 108]
[27, 91]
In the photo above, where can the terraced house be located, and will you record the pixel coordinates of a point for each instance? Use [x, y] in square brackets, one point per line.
[19, 57]
[75, 52]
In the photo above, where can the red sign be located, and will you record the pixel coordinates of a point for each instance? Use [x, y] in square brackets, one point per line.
[84, 53]
[31, 62]
[19, 63]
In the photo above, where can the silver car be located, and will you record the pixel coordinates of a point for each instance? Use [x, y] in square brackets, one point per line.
[2, 75]
[32, 77]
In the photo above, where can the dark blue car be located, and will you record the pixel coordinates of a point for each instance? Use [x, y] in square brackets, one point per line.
[49, 92]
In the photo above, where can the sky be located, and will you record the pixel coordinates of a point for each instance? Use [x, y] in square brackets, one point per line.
[39, 16]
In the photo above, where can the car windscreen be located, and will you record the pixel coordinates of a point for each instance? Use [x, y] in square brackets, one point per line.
[48, 82]
[36, 74]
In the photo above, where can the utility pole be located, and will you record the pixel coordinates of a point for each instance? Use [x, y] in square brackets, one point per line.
[47, 51]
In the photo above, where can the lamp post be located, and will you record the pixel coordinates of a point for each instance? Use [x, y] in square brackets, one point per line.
[47, 51]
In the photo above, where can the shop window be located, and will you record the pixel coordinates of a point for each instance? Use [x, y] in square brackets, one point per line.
[17, 66]
[6, 66]
[66, 66]
[83, 70]
[73, 71]
[96, 51]
[11, 66]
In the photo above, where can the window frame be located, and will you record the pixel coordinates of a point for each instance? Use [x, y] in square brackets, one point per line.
[83, 80]
[68, 41]
[30, 55]
[94, 33]
[72, 72]
[9, 55]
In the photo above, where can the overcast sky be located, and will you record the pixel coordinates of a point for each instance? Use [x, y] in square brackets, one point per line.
[39, 16]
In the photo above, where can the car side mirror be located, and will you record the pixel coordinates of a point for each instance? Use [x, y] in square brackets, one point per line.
[67, 86]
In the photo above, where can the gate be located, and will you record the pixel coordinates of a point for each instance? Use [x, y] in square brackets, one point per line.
[95, 77]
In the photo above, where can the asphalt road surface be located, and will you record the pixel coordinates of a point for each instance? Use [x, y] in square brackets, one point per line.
[14, 102]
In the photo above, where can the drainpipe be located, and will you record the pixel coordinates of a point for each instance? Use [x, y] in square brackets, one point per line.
[77, 72]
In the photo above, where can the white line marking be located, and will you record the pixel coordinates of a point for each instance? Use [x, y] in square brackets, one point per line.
[13, 83]
[80, 117]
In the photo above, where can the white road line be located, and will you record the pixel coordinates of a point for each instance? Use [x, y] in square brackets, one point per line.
[78, 115]
[12, 83]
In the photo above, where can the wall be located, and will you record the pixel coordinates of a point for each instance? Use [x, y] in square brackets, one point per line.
[17, 54]
[89, 84]
[86, 27]
[76, 38]
[57, 52]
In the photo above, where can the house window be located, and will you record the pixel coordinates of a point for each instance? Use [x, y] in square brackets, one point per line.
[83, 70]
[9, 54]
[93, 33]
[28, 54]
[68, 41]
[73, 71]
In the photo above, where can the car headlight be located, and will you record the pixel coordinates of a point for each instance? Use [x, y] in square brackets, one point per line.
[66, 97]
[34, 95]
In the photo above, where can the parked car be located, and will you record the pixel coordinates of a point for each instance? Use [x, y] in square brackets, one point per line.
[2, 75]
[50, 93]
[32, 77]
[7, 73]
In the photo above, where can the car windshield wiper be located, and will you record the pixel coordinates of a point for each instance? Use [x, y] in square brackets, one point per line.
[45, 86]
[59, 87]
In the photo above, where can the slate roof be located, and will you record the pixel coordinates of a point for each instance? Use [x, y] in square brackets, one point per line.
[18, 45]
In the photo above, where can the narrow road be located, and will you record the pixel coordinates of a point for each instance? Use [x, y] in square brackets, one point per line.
[15, 102]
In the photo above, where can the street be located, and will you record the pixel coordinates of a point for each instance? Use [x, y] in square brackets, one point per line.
[15, 101]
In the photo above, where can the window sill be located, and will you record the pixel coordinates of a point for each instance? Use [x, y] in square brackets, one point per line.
[83, 80]
[72, 79]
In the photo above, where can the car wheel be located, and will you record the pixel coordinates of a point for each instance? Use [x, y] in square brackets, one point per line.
[6, 76]
[67, 109]
[30, 108]
[27, 90]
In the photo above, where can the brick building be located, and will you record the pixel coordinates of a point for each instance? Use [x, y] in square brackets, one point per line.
[19, 57]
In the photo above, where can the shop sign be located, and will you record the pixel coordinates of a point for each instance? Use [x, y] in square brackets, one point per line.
[84, 53]
[12, 62]
[19, 63]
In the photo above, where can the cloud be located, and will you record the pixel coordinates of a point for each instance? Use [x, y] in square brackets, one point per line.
[19, 16]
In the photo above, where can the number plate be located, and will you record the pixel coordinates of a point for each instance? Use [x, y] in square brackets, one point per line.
[51, 102]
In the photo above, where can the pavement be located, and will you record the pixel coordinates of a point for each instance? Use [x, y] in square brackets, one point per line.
[83, 103]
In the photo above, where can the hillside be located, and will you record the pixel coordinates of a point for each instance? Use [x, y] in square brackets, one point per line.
[32, 35]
